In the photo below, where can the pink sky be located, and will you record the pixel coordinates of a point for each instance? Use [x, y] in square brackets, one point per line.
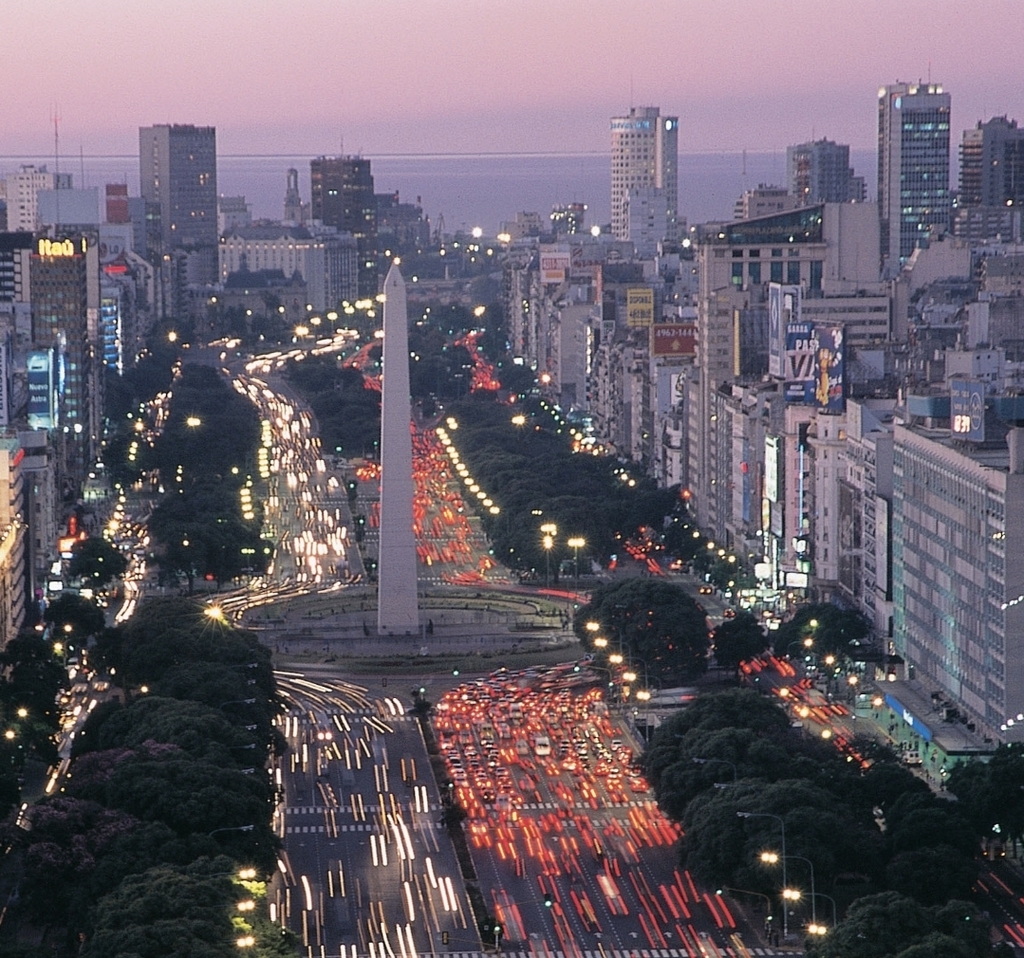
[409, 76]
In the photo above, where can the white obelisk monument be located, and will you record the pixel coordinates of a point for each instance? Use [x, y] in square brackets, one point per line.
[397, 605]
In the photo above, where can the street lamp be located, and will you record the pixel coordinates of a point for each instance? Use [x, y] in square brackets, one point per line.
[550, 530]
[782, 825]
[576, 543]
[771, 858]
[233, 828]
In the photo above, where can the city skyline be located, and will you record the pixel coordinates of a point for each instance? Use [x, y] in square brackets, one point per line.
[467, 78]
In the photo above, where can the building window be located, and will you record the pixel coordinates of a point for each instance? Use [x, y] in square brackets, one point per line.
[754, 273]
[737, 274]
[793, 272]
[816, 269]
[776, 272]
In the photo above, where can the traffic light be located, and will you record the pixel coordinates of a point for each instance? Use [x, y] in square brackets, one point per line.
[549, 900]
[445, 938]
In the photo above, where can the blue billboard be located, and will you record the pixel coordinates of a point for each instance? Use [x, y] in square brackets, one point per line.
[799, 363]
[967, 410]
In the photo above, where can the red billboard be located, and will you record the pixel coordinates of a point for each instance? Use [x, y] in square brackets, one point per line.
[674, 339]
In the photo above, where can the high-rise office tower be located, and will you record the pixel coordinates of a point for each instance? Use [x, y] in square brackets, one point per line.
[645, 153]
[178, 171]
[913, 167]
[820, 172]
[65, 296]
[992, 164]
[342, 196]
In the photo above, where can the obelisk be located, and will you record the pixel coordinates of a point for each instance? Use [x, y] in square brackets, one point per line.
[397, 606]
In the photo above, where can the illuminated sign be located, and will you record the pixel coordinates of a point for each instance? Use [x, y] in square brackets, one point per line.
[639, 306]
[967, 409]
[49, 247]
[912, 720]
[771, 468]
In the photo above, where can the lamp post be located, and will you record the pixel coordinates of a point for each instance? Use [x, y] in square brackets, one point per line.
[550, 530]
[770, 858]
[782, 825]
[576, 543]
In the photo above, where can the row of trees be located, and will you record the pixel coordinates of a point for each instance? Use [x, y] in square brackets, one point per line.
[205, 453]
[878, 840]
[530, 469]
[168, 798]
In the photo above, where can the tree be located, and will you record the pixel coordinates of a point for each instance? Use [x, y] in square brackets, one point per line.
[85, 618]
[833, 630]
[656, 622]
[738, 639]
[932, 875]
[164, 912]
[96, 561]
[890, 924]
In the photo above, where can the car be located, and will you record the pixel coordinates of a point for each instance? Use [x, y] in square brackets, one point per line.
[705, 590]
[729, 613]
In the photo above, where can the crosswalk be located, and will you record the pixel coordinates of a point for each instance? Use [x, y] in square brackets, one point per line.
[353, 827]
[609, 953]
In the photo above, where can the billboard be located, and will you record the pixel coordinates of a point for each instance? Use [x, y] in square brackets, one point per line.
[771, 468]
[639, 306]
[673, 339]
[829, 366]
[783, 309]
[799, 363]
[967, 409]
[39, 373]
[554, 263]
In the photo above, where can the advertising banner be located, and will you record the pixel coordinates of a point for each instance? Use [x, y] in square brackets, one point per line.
[771, 468]
[673, 339]
[39, 373]
[554, 263]
[967, 410]
[799, 363]
[639, 306]
[829, 367]
[783, 309]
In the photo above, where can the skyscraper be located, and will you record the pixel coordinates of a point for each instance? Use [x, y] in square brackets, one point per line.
[342, 196]
[820, 172]
[913, 167]
[645, 153]
[992, 164]
[178, 171]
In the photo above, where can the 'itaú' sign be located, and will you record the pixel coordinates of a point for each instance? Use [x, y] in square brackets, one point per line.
[49, 247]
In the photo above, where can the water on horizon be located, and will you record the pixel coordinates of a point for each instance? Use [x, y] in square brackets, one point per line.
[473, 191]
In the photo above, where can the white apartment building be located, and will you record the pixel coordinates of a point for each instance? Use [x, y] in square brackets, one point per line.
[645, 153]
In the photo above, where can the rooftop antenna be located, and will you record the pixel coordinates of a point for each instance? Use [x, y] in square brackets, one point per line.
[55, 117]
[631, 104]
[81, 164]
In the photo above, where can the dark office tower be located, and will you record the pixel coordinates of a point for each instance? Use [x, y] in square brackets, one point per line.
[178, 170]
[820, 172]
[913, 168]
[342, 197]
[992, 164]
[64, 292]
